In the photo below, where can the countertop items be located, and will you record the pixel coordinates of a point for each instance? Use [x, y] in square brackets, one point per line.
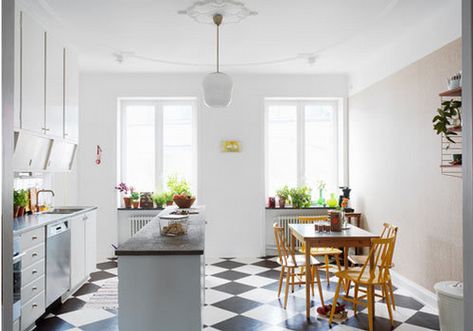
[149, 241]
[30, 222]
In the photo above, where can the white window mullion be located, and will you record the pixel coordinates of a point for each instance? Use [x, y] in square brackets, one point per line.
[300, 144]
[123, 151]
[159, 150]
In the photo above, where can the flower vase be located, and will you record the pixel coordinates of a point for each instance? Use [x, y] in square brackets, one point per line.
[332, 202]
[321, 201]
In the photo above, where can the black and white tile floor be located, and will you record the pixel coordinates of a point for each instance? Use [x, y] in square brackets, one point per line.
[241, 294]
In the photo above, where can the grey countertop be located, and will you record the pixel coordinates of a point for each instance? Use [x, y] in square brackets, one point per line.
[31, 222]
[148, 241]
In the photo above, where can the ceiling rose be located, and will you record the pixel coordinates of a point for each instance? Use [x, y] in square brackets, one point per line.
[204, 11]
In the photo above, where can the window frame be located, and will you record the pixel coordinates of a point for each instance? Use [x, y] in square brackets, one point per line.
[158, 104]
[339, 136]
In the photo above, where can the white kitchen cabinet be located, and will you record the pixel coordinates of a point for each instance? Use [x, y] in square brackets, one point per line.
[54, 116]
[83, 247]
[90, 242]
[31, 151]
[61, 156]
[17, 71]
[78, 248]
[71, 94]
[32, 74]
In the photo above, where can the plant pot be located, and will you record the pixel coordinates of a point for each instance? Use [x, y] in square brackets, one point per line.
[281, 203]
[20, 212]
[15, 211]
[169, 203]
[127, 202]
[184, 202]
[135, 204]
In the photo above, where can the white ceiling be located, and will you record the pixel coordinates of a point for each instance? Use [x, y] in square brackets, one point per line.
[341, 33]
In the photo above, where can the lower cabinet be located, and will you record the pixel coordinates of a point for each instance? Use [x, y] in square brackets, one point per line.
[83, 247]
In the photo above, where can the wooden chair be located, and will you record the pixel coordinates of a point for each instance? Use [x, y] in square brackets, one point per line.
[326, 252]
[290, 263]
[374, 272]
[389, 231]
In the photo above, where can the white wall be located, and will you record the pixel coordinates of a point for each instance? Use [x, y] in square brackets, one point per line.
[395, 168]
[230, 185]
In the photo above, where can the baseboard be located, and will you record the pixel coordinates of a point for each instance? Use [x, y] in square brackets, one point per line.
[418, 292]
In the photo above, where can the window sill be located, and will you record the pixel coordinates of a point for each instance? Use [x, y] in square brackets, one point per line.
[132, 209]
[290, 208]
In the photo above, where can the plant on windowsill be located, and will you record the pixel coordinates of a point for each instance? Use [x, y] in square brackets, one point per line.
[160, 199]
[135, 198]
[300, 197]
[448, 119]
[20, 201]
[124, 189]
[182, 194]
[283, 196]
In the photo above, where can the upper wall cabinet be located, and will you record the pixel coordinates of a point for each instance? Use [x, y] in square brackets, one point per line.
[71, 93]
[54, 116]
[32, 74]
[17, 72]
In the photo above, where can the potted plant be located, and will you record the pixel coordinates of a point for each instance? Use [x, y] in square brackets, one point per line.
[448, 119]
[20, 201]
[124, 189]
[135, 198]
[300, 197]
[283, 196]
[169, 197]
[180, 188]
[160, 199]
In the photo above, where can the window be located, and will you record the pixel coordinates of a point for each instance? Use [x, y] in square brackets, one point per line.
[158, 139]
[303, 144]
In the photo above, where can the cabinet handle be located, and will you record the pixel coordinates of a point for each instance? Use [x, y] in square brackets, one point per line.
[34, 271]
[34, 306]
[34, 254]
[30, 162]
[46, 129]
[34, 237]
[34, 288]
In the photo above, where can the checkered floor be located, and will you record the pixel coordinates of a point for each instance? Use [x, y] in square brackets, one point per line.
[241, 294]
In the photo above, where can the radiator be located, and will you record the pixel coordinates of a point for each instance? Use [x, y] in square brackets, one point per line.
[285, 220]
[137, 222]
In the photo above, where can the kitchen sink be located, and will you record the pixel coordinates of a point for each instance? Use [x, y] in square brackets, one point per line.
[63, 211]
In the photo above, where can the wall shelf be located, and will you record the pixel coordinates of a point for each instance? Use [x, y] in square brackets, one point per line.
[456, 92]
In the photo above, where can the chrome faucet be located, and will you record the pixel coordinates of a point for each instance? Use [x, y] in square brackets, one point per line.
[37, 195]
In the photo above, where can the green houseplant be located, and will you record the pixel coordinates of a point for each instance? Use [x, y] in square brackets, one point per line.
[283, 195]
[448, 119]
[168, 197]
[20, 201]
[182, 194]
[160, 199]
[300, 197]
[135, 198]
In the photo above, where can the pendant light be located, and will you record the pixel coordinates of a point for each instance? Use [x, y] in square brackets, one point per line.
[217, 85]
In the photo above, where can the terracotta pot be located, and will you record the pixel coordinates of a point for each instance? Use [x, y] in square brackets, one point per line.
[184, 202]
[20, 212]
[15, 211]
[169, 203]
[135, 204]
[282, 203]
[127, 202]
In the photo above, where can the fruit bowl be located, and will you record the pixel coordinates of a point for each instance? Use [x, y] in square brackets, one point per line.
[184, 201]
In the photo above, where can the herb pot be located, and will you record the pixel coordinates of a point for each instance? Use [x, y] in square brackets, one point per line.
[127, 202]
[169, 203]
[282, 203]
[135, 203]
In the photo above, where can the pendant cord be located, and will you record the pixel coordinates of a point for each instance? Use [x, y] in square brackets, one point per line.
[218, 47]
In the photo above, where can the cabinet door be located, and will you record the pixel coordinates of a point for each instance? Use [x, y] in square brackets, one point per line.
[54, 117]
[77, 251]
[31, 152]
[71, 94]
[90, 242]
[17, 71]
[61, 156]
[32, 74]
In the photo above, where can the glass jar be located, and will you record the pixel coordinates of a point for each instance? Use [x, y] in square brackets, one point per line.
[173, 226]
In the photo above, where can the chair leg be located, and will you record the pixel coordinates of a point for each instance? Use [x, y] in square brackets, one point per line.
[370, 290]
[281, 277]
[355, 301]
[292, 281]
[286, 290]
[327, 270]
[347, 287]
[312, 279]
[317, 276]
[391, 292]
[388, 303]
[334, 302]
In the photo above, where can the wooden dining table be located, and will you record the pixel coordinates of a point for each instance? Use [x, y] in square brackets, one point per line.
[351, 236]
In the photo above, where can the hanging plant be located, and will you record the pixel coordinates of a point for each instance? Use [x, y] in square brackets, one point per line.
[448, 118]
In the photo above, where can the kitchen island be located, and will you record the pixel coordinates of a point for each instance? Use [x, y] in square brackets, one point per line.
[161, 279]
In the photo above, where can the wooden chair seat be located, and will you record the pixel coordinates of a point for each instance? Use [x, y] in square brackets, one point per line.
[299, 261]
[366, 278]
[360, 260]
[321, 251]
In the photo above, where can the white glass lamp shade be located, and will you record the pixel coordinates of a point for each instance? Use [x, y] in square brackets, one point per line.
[217, 90]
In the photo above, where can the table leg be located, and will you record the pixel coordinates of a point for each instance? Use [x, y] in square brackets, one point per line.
[307, 280]
[345, 266]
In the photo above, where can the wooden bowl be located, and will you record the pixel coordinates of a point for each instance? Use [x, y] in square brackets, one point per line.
[184, 202]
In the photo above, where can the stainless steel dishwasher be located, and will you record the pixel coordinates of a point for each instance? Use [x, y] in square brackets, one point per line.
[58, 258]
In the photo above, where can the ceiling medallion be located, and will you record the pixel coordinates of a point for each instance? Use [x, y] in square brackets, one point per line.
[204, 11]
